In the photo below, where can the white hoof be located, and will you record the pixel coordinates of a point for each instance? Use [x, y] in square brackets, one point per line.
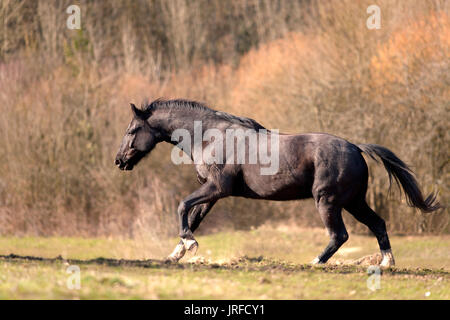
[387, 259]
[316, 261]
[190, 245]
[177, 253]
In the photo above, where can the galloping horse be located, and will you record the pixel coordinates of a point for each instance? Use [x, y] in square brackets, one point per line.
[321, 166]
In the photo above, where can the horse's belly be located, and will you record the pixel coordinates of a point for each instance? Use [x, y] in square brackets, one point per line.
[281, 186]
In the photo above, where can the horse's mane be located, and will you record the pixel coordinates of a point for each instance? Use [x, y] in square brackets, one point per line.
[203, 108]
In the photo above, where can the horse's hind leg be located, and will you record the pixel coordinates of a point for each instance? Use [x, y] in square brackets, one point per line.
[331, 216]
[364, 214]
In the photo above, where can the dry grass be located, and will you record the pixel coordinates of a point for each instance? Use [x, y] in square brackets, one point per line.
[64, 104]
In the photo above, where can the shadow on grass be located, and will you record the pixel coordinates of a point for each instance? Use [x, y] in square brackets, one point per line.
[240, 264]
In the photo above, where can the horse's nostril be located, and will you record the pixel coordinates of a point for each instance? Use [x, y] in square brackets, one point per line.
[117, 162]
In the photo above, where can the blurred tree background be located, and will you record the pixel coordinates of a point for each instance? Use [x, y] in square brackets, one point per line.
[299, 66]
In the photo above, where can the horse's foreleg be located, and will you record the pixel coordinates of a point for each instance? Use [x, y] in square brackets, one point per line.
[177, 253]
[196, 216]
[198, 213]
[206, 194]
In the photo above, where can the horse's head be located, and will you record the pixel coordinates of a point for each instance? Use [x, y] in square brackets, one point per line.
[138, 141]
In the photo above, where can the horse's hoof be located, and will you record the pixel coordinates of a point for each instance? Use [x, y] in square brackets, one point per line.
[387, 259]
[191, 245]
[177, 253]
[171, 259]
[316, 261]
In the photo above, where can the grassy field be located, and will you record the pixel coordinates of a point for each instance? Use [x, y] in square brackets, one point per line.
[266, 263]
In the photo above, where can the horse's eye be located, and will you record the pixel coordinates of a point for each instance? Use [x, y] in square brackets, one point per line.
[131, 132]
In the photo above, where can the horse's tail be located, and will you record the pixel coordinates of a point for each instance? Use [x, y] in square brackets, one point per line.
[403, 176]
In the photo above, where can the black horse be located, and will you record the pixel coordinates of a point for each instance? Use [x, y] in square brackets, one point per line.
[315, 165]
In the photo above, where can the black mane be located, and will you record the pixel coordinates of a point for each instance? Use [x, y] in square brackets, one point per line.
[176, 103]
[198, 106]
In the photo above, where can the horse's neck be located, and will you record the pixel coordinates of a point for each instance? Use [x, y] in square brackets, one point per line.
[173, 125]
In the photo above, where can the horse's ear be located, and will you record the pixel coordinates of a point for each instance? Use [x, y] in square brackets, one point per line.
[138, 113]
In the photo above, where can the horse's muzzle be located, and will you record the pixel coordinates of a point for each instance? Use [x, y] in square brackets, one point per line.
[122, 165]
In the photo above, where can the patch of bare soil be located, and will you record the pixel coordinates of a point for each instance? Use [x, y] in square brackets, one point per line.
[369, 260]
[244, 263]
